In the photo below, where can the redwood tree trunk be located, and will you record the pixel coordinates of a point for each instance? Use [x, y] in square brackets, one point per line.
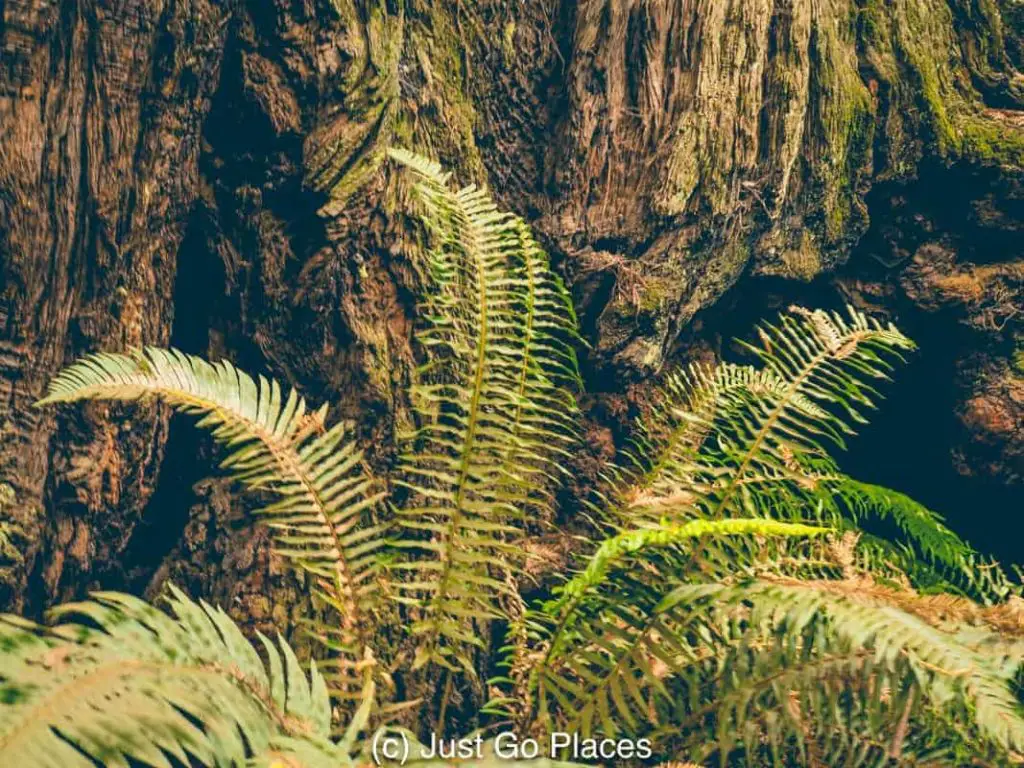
[210, 175]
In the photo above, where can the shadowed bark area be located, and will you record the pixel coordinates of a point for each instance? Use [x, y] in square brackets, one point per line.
[210, 175]
[101, 108]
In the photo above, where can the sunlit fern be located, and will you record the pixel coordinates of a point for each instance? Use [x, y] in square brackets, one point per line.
[496, 410]
[759, 668]
[278, 445]
[663, 627]
[116, 679]
[117, 682]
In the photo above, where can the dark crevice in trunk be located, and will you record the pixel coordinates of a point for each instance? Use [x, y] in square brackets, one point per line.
[189, 457]
[908, 444]
[911, 441]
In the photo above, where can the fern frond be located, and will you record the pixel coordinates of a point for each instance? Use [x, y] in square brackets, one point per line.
[753, 666]
[495, 408]
[714, 429]
[825, 362]
[632, 543]
[952, 677]
[279, 445]
[736, 440]
[664, 452]
[573, 622]
[117, 680]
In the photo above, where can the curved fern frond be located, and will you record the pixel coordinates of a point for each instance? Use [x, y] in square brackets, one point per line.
[663, 456]
[815, 482]
[279, 445]
[632, 544]
[713, 429]
[573, 621]
[831, 623]
[756, 667]
[825, 362]
[117, 680]
[495, 407]
[737, 440]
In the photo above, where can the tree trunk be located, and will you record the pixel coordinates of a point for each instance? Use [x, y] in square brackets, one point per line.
[211, 175]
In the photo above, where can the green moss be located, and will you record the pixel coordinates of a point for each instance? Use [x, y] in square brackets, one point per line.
[657, 294]
[951, 110]
[508, 41]
[443, 120]
[873, 20]
[854, 138]
[346, 152]
[846, 115]
[987, 141]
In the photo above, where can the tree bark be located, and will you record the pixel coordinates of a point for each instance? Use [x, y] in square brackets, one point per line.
[211, 175]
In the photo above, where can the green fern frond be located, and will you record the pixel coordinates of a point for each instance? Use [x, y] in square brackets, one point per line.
[754, 665]
[574, 621]
[824, 363]
[823, 359]
[862, 501]
[117, 680]
[632, 543]
[737, 440]
[815, 482]
[851, 621]
[278, 445]
[495, 407]
[667, 443]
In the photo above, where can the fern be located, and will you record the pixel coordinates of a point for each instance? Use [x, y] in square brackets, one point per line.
[590, 615]
[847, 624]
[639, 543]
[823, 361]
[117, 682]
[192, 684]
[747, 667]
[737, 439]
[494, 405]
[670, 625]
[730, 608]
[279, 445]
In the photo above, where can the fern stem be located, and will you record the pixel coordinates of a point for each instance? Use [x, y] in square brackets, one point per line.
[528, 338]
[445, 698]
[351, 618]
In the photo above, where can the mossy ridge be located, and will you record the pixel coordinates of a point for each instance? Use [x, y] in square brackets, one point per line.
[918, 50]
[406, 85]
[882, 75]
[347, 151]
[780, 151]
